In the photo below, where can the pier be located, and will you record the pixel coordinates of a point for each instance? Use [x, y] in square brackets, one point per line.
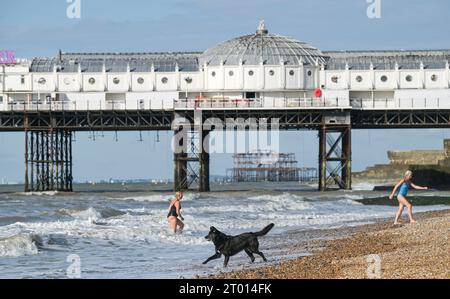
[48, 158]
[262, 76]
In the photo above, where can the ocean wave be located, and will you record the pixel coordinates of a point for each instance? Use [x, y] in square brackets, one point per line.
[11, 219]
[276, 197]
[4, 197]
[158, 197]
[338, 195]
[110, 213]
[89, 213]
[351, 201]
[20, 245]
[43, 193]
[363, 187]
[268, 207]
[86, 224]
[343, 196]
[149, 224]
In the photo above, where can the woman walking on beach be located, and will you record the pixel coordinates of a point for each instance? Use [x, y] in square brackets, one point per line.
[403, 187]
[174, 213]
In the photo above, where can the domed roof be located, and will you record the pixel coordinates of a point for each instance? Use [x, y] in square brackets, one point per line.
[271, 49]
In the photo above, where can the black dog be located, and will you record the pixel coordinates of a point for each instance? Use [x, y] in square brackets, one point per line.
[231, 245]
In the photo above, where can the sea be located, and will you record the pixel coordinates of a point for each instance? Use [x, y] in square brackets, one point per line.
[121, 230]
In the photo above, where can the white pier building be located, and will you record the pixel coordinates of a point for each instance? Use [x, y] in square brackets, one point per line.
[258, 71]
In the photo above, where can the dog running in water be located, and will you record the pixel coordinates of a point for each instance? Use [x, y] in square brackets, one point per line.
[231, 245]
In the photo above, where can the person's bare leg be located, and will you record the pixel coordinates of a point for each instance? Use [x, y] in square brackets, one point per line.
[410, 213]
[399, 213]
[173, 224]
[408, 205]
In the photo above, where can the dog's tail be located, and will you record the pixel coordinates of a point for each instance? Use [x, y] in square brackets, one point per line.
[265, 230]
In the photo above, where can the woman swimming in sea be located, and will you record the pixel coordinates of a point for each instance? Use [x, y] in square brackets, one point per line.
[174, 213]
[403, 187]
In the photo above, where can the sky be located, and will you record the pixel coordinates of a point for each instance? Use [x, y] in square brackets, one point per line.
[40, 28]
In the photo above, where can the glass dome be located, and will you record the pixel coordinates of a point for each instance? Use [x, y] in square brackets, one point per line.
[271, 49]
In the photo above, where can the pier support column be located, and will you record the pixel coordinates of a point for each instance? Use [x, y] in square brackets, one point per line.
[335, 157]
[48, 160]
[191, 153]
[322, 159]
[180, 161]
[180, 173]
[347, 158]
[204, 162]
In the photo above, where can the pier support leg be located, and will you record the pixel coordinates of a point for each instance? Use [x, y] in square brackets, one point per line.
[346, 162]
[335, 157]
[180, 163]
[322, 159]
[48, 160]
[204, 162]
[191, 155]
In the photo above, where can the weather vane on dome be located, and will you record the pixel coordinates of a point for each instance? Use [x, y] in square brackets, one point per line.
[262, 28]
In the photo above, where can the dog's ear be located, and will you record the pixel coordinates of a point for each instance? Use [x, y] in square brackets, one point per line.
[213, 229]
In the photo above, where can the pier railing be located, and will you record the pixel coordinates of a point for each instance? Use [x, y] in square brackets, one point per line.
[87, 105]
[400, 104]
[257, 103]
[159, 104]
[227, 103]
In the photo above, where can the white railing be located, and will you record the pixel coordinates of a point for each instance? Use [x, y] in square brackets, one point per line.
[226, 103]
[259, 103]
[158, 104]
[400, 103]
[87, 105]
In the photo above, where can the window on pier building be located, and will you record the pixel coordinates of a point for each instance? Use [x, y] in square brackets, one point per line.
[22, 79]
[409, 78]
[251, 95]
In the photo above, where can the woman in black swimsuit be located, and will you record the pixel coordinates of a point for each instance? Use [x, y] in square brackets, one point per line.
[174, 213]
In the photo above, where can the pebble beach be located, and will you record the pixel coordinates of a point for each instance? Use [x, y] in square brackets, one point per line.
[381, 250]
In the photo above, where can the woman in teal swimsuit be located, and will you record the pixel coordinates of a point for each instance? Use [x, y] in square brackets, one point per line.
[403, 188]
